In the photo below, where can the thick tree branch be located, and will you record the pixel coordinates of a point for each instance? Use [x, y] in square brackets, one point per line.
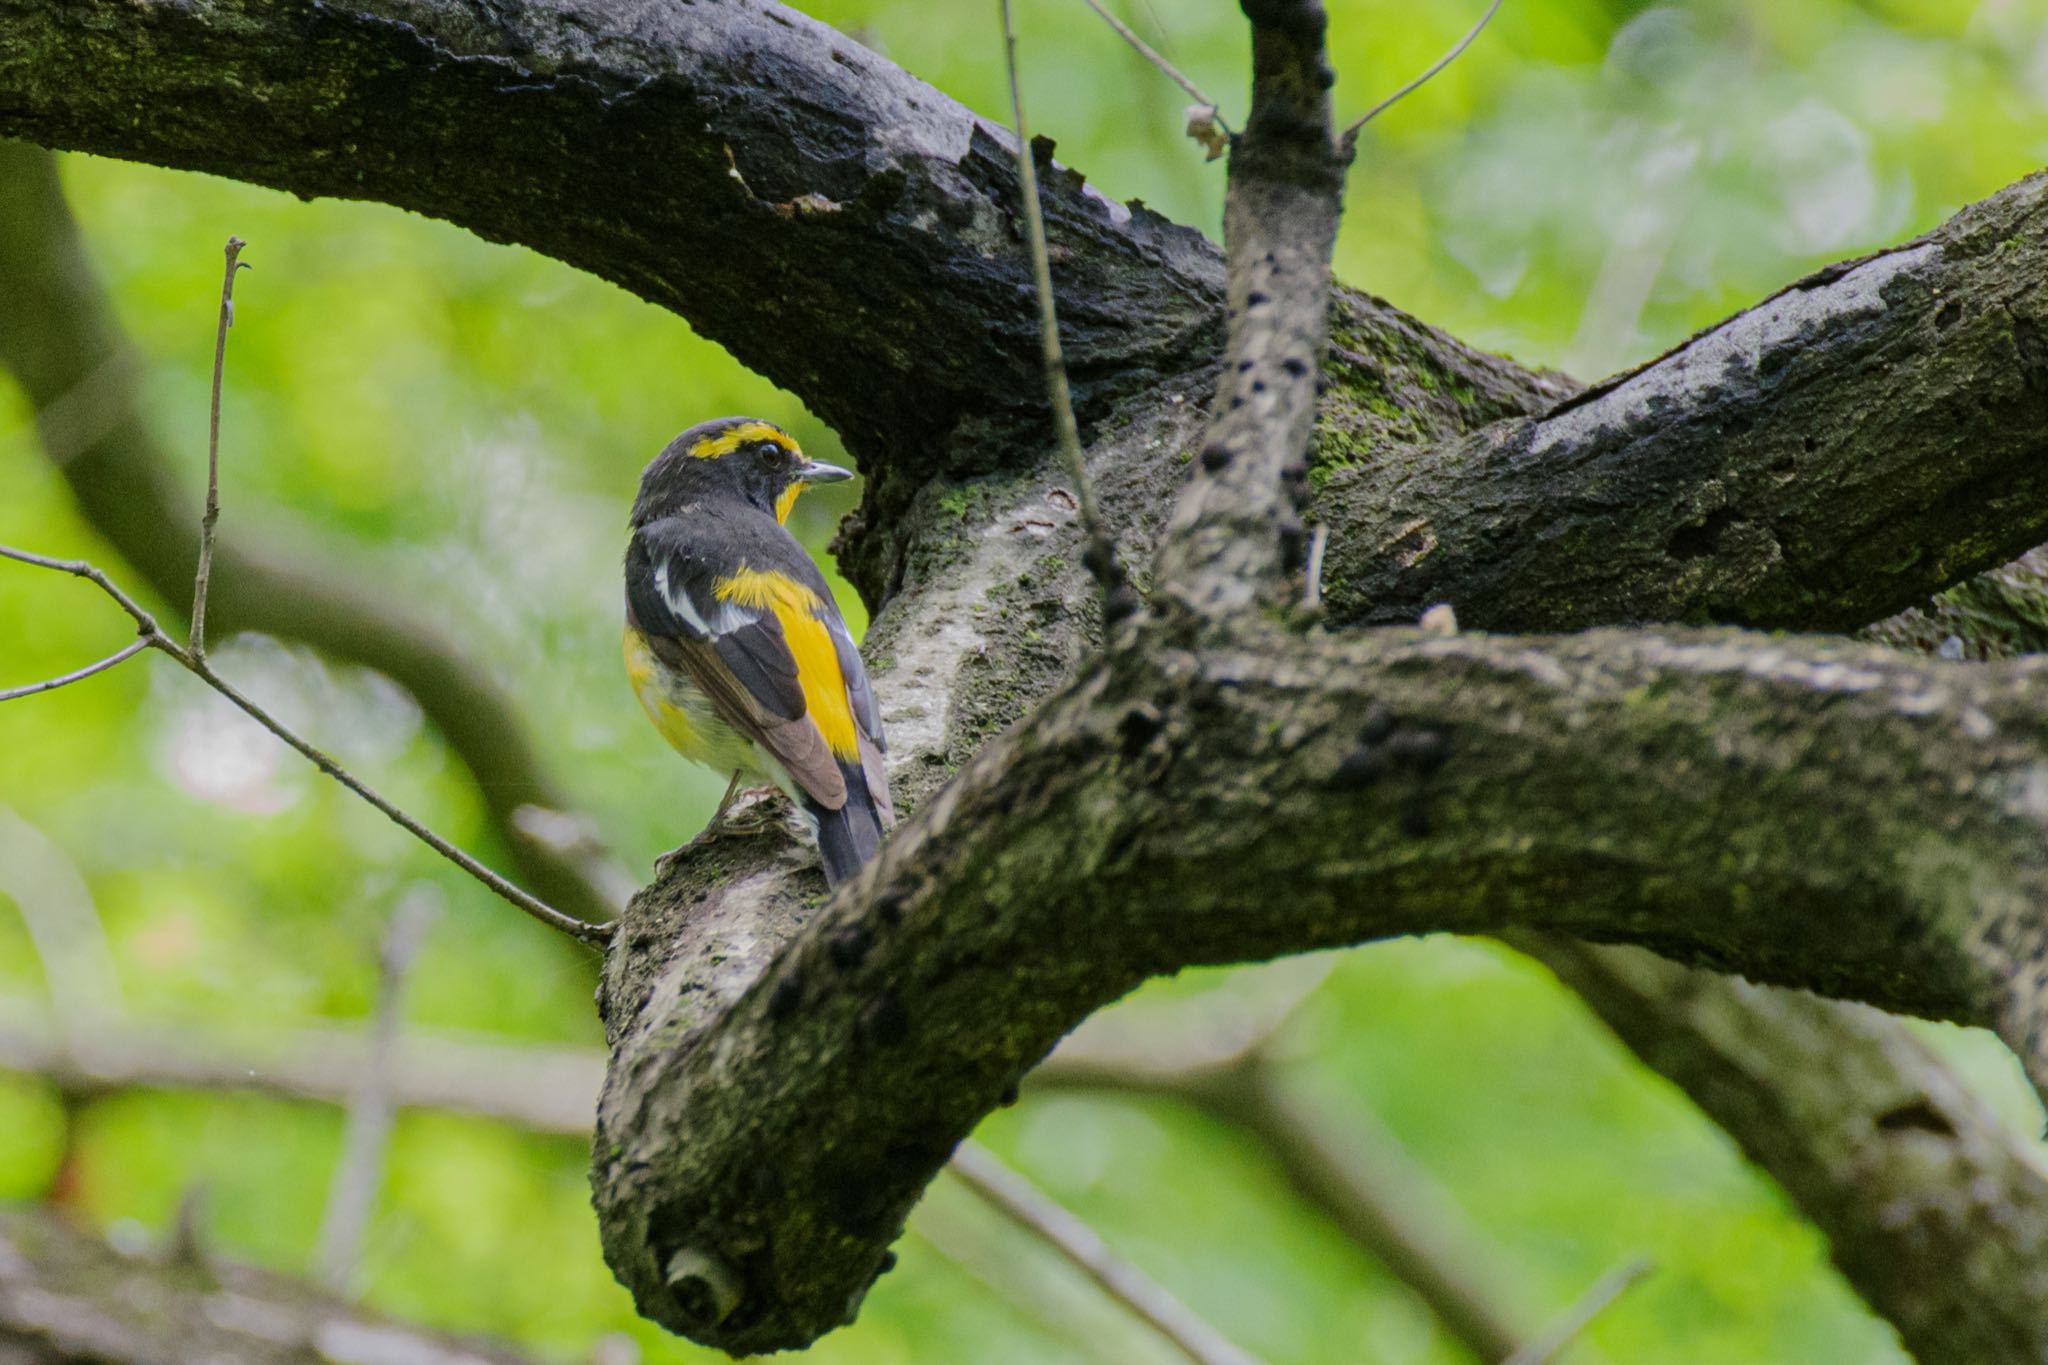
[1810, 813]
[954, 677]
[1869, 436]
[600, 134]
[640, 141]
[66, 1297]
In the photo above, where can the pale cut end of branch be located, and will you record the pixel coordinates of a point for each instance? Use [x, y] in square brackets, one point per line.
[207, 521]
[1119, 599]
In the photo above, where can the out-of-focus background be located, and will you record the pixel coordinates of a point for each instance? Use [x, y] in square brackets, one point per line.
[459, 427]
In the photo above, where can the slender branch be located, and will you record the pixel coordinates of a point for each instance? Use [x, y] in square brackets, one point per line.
[78, 568]
[357, 1178]
[204, 577]
[1598, 1298]
[595, 934]
[120, 655]
[1100, 553]
[1165, 67]
[1363, 1183]
[61, 339]
[1017, 1199]
[1457, 51]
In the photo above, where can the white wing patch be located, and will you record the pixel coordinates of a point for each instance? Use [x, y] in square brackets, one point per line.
[726, 619]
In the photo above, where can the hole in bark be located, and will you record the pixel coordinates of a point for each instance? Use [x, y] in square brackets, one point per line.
[1702, 538]
[1950, 314]
[1920, 1116]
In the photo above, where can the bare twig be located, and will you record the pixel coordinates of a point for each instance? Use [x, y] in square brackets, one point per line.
[154, 637]
[1100, 555]
[1457, 51]
[1599, 1296]
[1166, 68]
[145, 624]
[121, 655]
[532, 905]
[1017, 1199]
[360, 1172]
[202, 579]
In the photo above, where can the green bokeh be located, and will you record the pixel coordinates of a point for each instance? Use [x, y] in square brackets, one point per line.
[462, 425]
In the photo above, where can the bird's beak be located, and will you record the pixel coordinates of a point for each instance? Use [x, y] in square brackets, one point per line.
[814, 471]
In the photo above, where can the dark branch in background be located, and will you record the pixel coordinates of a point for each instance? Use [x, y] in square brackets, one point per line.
[1354, 1174]
[59, 338]
[518, 130]
[67, 1297]
[1933, 1208]
[1018, 1200]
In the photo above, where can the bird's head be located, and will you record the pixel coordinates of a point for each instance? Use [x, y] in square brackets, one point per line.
[730, 457]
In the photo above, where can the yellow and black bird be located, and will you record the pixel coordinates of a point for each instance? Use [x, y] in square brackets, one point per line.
[733, 642]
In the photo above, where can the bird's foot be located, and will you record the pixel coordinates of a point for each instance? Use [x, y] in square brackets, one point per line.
[741, 814]
[750, 812]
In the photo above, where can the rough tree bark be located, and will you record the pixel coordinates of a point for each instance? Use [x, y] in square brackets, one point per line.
[747, 1194]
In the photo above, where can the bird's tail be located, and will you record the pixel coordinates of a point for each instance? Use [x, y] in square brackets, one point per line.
[850, 836]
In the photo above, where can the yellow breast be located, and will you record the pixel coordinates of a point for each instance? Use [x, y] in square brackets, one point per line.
[684, 715]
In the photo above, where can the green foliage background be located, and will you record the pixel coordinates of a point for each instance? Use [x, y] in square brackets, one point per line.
[463, 425]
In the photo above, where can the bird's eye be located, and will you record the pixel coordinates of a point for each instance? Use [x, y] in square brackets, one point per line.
[769, 453]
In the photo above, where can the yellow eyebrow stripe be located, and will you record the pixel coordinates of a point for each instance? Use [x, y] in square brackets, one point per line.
[810, 644]
[746, 433]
